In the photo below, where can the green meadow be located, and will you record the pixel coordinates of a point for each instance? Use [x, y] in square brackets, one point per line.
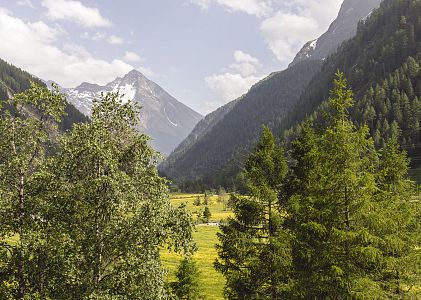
[212, 282]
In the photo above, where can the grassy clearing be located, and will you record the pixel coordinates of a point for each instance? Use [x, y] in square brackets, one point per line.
[218, 211]
[212, 282]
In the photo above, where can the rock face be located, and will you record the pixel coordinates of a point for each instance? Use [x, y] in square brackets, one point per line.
[166, 120]
[342, 29]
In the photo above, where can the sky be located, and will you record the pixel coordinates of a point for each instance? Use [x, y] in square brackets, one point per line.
[203, 52]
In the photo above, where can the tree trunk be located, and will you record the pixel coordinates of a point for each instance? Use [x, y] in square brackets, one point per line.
[21, 276]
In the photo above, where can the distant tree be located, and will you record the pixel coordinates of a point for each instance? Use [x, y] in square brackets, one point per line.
[206, 200]
[187, 286]
[197, 201]
[207, 214]
[221, 195]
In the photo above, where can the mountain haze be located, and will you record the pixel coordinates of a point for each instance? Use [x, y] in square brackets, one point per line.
[342, 29]
[162, 117]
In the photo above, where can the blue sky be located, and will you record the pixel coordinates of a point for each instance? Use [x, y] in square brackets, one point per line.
[204, 52]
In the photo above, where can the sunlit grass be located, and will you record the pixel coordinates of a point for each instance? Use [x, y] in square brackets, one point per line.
[212, 282]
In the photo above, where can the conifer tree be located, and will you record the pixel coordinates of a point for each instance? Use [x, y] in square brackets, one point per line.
[344, 221]
[253, 254]
[187, 286]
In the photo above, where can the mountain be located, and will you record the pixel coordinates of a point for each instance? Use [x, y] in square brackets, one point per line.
[200, 130]
[14, 80]
[225, 142]
[342, 29]
[162, 117]
[382, 63]
[222, 143]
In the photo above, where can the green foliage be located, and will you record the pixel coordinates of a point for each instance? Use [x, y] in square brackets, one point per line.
[187, 286]
[25, 130]
[14, 80]
[253, 250]
[342, 224]
[91, 218]
[350, 211]
[207, 214]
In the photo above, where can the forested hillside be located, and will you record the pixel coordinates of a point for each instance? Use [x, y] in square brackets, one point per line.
[14, 80]
[230, 139]
[382, 64]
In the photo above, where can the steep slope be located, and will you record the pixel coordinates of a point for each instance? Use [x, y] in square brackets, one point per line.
[14, 80]
[386, 46]
[194, 157]
[162, 117]
[383, 67]
[342, 29]
[199, 131]
[224, 145]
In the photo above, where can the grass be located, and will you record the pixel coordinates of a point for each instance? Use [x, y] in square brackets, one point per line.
[217, 208]
[212, 282]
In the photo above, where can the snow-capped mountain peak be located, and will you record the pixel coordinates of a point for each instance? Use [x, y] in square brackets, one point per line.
[162, 117]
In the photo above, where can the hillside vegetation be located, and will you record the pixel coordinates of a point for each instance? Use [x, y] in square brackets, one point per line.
[14, 80]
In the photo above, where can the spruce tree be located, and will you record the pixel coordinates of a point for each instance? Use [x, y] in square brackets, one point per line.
[187, 286]
[253, 251]
[344, 221]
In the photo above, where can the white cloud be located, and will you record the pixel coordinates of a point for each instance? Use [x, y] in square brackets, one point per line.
[242, 74]
[286, 24]
[130, 56]
[102, 36]
[297, 22]
[115, 40]
[33, 47]
[148, 72]
[27, 3]
[258, 8]
[75, 11]
[245, 64]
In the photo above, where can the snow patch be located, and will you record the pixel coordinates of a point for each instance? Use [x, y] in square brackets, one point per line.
[313, 44]
[172, 123]
[128, 92]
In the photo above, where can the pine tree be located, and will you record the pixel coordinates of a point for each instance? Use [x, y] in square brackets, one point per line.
[344, 220]
[207, 214]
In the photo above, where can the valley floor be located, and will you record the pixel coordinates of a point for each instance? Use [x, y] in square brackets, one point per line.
[212, 282]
